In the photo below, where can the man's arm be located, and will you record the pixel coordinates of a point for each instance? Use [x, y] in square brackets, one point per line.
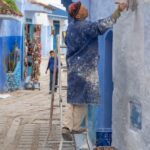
[107, 23]
[47, 66]
[93, 29]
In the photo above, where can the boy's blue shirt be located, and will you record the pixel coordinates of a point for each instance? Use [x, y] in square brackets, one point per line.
[51, 64]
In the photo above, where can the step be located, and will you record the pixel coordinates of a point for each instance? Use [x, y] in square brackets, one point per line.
[82, 141]
[105, 148]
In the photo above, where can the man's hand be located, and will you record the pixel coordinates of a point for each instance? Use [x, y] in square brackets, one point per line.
[122, 6]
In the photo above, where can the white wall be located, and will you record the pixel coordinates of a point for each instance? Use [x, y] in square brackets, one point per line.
[48, 1]
[146, 108]
[56, 3]
[41, 18]
[131, 51]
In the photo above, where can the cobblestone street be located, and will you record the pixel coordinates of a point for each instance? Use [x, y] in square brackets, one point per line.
[24, 118]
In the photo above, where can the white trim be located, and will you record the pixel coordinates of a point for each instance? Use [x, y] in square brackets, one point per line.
[57, 17]
[10, 17]
[29, 7]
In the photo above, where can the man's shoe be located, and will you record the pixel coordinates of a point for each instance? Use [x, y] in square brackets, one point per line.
[66, 134]
[80, 131]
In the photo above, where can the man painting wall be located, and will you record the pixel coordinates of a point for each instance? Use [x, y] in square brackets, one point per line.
[82, 62]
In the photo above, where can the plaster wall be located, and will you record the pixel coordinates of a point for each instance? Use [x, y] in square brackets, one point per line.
[131, 80]
[146, 107]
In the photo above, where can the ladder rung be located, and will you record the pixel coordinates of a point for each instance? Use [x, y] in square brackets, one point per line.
[63, 46]
[57, 142]
[105, 148]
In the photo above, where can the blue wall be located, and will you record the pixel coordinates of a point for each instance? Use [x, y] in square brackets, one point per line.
[10, 34]
[2, 71]
[56, 28]
[100, 116]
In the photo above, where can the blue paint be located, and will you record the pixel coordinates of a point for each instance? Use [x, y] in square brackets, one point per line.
[100, 117]
[92, 119]
[56, 28]
[103, 138]
[104, 112]
[106, 84]
[2, 71]
[136, 115]
[7, 44]
[10, 33]
[10, 28]
[59, 12]
[66, 3]
[13, 80]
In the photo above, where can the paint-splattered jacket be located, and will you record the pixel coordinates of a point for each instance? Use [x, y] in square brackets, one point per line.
[83, 57]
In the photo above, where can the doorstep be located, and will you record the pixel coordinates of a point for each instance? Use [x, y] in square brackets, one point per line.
[105, 148]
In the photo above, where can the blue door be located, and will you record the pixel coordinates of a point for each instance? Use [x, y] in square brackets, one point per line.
[56, 29]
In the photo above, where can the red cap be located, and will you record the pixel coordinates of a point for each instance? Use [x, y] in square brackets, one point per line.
[74, 8]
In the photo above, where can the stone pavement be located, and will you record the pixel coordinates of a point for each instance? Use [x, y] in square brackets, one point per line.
[24, 118]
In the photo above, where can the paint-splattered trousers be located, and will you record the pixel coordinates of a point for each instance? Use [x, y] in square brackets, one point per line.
[51, 81]
[74, 116]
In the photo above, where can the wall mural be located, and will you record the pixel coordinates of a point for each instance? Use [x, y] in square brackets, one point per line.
[12, 59]
[11, 65]
[13, 68]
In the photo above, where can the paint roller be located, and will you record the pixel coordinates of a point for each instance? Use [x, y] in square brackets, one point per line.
[132, 4]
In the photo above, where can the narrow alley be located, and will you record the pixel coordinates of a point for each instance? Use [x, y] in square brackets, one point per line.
[82, 64]
[24, 118]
